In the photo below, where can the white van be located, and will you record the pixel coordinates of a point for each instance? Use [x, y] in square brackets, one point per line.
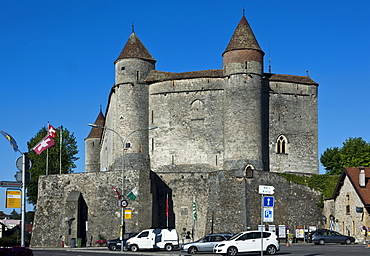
[154, 239]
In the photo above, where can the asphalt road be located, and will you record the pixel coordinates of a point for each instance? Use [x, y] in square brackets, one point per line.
[294, 250]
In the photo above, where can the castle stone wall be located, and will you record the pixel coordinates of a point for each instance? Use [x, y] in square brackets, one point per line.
[293, 113]
[103, 213]
[190, 123]
[227, 201]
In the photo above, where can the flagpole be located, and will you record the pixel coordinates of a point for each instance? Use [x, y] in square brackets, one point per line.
[194, 217]
[14, 145]
[47, 161]
[47, 156]
[23, 201]
[60, 149]
[167, 210]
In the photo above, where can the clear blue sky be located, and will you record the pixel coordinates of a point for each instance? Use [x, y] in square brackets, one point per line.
[56, 57]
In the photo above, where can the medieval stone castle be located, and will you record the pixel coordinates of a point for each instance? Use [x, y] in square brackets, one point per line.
[221, 133]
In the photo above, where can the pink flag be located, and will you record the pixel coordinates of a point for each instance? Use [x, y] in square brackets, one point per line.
[45, 143]
[51, 131]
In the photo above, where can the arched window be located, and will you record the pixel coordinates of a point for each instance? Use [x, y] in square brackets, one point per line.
[281, 145]
[248, 171]
[197, 110]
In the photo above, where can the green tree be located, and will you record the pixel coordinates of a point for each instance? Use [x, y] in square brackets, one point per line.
[354, 153]
[51, 158]
[331, 160]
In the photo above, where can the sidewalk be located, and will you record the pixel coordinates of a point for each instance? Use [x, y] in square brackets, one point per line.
[95, 249]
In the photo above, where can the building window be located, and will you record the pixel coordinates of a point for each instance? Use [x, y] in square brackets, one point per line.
[281, 145]
[348, 207]
[197, 110]
[248, 171]
[137, 75]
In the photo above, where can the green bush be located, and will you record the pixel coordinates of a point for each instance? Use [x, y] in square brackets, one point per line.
[325, 183]
[8, 242]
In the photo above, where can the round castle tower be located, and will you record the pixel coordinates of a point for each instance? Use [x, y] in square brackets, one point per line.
[128, 107]
[243, 70]
[92, 146]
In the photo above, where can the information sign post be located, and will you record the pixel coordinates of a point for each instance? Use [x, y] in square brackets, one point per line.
[267, 210]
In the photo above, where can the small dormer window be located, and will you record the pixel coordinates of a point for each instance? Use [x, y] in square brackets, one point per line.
[137, 75]
[246, 64]
[122, 68]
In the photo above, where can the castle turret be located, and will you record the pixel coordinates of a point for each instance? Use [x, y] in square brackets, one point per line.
[134, 62]
[243, 69]
[92, 146]
[128, 109]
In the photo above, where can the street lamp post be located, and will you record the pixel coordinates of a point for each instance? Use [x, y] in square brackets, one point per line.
[122, 230]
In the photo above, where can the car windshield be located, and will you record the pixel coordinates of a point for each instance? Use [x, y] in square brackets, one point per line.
[336, 234]
[234, 236]
[198, 240]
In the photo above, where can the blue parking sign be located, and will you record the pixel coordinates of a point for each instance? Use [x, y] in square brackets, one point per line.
[268, 201]
[268, 214]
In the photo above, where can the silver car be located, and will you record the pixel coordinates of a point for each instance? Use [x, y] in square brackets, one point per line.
[205, 244]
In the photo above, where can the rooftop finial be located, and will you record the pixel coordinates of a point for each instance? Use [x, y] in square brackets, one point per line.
[243, 11]
[100, 108]
[133, 27]
[269, 60]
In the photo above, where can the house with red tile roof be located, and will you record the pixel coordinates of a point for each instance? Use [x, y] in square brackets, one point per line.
[348, 211]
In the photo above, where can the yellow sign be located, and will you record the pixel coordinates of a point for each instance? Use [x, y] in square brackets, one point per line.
[128, 214]
[13, 199]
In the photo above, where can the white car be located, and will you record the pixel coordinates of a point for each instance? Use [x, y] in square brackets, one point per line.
[249, 241]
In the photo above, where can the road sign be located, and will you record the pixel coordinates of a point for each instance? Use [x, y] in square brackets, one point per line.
[18, 176]
[268, 214]
[268, 201]
[13, 199]
[124, 203]
[266, 190]
[128, 214]
[19, 163]
[10, 184]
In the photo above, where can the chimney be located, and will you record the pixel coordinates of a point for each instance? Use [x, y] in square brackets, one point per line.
[361, 178]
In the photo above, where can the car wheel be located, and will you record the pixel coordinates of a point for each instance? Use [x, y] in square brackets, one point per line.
[347, 241]
[168, 247]
[321, 242]
[192, 250]
[112, 247]
[134, 248]
[232, 251]
[271, 250]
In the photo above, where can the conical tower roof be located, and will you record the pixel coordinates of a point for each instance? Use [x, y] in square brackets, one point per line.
[96, 132]
[134, 48]
[243, 38]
